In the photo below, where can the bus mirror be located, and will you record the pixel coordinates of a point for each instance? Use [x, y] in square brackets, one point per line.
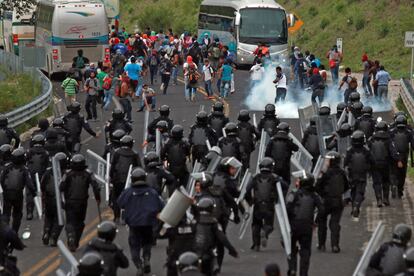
[291, 19]
[237, 19]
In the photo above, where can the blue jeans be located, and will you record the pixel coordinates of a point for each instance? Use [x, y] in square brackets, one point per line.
[152, 103]
[108, 98]
[334, 73]
[208, 88]
[189, 91]
[174, 74]
[382, 92]
[224, 88]
[366, 85]
[139, 87]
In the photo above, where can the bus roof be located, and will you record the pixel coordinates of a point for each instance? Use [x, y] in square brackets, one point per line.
[240, 4]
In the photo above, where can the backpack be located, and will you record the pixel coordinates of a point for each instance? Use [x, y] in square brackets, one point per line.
[193, 76]
[107, 83]
[80, 62]
[153, 61]
[353, 83]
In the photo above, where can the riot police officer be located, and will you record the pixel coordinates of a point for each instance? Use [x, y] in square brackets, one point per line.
[217, 119]
[269, 121]
[339, 109]
[208, 236]
[388, 259]
[301, 206]
[200, 132]
[51, 227]
[37, 162]
[112, 255]
[157, 176]
[331, 186]
[5, 156]
[144, 200]
[91, 264]
[53, 145]
[310, 140]
[9, 240]
[114, 142]
[122, 159]
[188, 264]
[409, 262]
[62, 134]
[384, 154]
[13, 179]
[176, 152]
[164, 111]
[403, 138]
[231, 145]
[366, 122]
[7, 134]
[262, 193]
[43, 126]
[74, 122]
[247, 135]
[75, 185]
[356, 109]
[358, 162]
[117, 122]
[280, 148]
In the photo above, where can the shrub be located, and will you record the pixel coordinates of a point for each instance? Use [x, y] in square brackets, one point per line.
[383, 30]
[359, 23]
[324, 23]
[313, 11]
[340, 7]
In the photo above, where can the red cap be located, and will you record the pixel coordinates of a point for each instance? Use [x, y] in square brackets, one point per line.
[315, 71]
[364, 57]
[189, 59]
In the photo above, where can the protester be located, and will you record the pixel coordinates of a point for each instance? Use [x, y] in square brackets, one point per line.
[256, 73]
[71, 88]
[281, 85]
[225, 75]
[191, 77]
[208, 76]
[382, 79]
[148, 98]
[91, 89]
[335, 59]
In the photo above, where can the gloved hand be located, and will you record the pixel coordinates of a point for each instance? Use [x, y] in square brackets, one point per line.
[236, 219]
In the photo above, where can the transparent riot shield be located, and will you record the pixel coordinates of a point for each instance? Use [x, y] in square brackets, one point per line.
[343, 144]
[214, 162]
[325, 126]
[248, 214]
[305, 113]
[158, 142]
[372, 246]
[254, 120]
[341, 119]
[69, 264]
[107, 178]
[97, 165]
[192, 179]
[208, 145]
[145, 132]
[38, 198]
[57, 177]
[128, 180]
[283, 219]
[302, 156]
[264, 140]
[243, 185]
[351, 119]
[318, 167]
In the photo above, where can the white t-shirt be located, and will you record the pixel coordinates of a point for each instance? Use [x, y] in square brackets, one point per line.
[257, 72]
[282, 83]
[185, 67]
[207, 71]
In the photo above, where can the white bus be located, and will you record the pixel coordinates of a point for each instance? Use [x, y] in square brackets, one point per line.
[64, 27]
[243, 24]
[6, 31]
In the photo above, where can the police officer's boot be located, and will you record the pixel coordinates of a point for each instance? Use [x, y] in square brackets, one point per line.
[45, 237]
[29, 213]
[147, 258]
[72, 242]
[336, 249]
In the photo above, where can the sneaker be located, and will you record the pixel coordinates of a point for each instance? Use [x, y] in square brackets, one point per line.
[355, 214]
[53, 242]
[45, 239]
[321, 247]
[147, 266]
[336, 249]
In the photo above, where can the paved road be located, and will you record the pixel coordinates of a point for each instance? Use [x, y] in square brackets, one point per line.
[40, 260]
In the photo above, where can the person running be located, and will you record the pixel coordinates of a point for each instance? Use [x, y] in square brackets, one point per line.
[256, 73]
[208, 76]
[366, 79]
[346, 80]
[109, 86]
[335, 59]
[225, 76]
[133, 70]
[281, 85]
[91, 88]
[153, 63]
[102, 73]
[191, 76]
[71, 87]
[165, 70]
[382, 79]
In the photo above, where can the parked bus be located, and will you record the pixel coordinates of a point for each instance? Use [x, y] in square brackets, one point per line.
[6, 31]
[64, 27]
[243, 24]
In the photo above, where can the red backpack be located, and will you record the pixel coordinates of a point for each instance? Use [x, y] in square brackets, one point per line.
[107, 83]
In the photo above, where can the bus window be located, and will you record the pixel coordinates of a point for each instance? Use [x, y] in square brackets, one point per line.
[216, 18]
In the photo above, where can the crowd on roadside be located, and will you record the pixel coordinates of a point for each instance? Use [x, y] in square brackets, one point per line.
[140, 61]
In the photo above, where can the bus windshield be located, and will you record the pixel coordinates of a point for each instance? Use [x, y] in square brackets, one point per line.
[263, 25]
[216, 18]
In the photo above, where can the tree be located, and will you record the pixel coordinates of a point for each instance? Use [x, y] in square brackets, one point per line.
[20, 6]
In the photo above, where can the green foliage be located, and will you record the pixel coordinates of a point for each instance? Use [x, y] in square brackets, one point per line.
[313, 11]
[340, 7]
[383, 30]
[324, 23]
[359, 22]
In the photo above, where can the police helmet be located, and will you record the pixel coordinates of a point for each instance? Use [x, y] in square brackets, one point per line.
[270, 110]
[138, 177]
[118, 114]
[409, 259]
[117, 135]
[345, 130]
[78, 162]
[91, 264]
[283, 126]
[74, 107]
[398, 113]
[151, 159]
[205, 205]
[127, 141]
[324, 110]
[306, 180]
[62, 158]
[358, 138]
[340, 107]
[177, 132]
[5, 152]
[162, 126]
[164, 110]
[357, 107]
[58, 122]
[401, 121]
[367, 110]
[18, 156]
[401, 234]
[107, 230]
[43, 124]
[188, 261]
[244, 115]
[267, 164]
[51, 134]
[381, 126]
[202, 117]
[206, 180]
[218, 107]
[334, 158]
[312, 120]
[231, 129]
[38, 139]
[354, 97]
[4, 121]
[216, 150]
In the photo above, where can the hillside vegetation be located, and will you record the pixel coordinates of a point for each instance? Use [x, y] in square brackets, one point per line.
[375, 26]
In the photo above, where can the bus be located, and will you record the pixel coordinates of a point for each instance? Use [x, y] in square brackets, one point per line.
[64, 27]
[244, 24]
[6, 41]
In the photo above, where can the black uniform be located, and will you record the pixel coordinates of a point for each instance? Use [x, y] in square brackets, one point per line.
[53, 144]
[199, 134]
[310, 141]
[269, 123]
[300, 207]
[152, 127]
[156, 176]
[74, 123]
[175, 152]
[116, 124]
[9, 240]
[13, 179]
[247, 135]
[217, 120]
[75, 185]
[231, 146]
[384, 155]
[111, 253]
[387, 260]
[121, 160]
[331, 186]
[280, 148]
[8, 134]
[264, 199]
[366, 124]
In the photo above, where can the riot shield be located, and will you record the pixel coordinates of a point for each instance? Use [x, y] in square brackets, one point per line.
[373, 245]
[243, 185]
[341, 119]
[351, 119]
[233, 162]
[343, 144]
[264, 140]
[192, 180]
[38, 198]
[208, 145]
[97, 165]
[145, 138]
[254, 120]
[176, 207]
[158, 142]
[57, 177]
[224, 132]
[128, 180]
[318, 167]
[69, 265]
[305, 113]
[214, 162]
[107, 178]
[247, 218]
[325, 126]
[283, 219]
[302, 156]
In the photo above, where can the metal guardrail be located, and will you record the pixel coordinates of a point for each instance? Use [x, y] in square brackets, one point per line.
[407, 95]
[15, 65]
